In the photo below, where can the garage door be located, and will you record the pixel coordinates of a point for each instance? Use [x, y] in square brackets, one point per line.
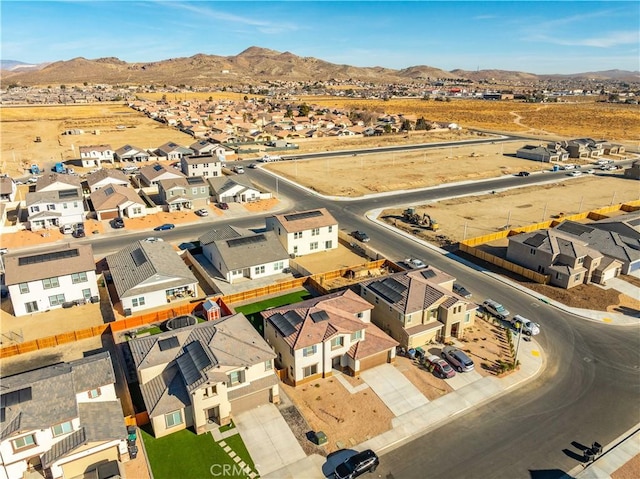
[634, 266]
[108, 215]
[372, 361]
[226, 199]
[249, 402]
[88, 463]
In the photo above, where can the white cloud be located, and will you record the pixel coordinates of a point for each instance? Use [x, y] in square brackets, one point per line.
[613, 39]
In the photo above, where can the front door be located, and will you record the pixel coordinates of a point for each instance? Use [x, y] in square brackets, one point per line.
[455, 327]
[213, 415]
[335, 363]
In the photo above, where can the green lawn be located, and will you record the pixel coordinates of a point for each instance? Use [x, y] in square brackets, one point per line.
[252, 311]
[186, 455]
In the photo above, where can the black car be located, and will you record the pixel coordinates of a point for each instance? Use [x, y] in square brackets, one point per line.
[78, 233]
[117, 223]
[365, 461]
[223, 206]
[361, 236]
[523, 173]
[461, 290]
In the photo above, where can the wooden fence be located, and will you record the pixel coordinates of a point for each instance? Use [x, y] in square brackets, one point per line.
[51, 341]
[504, 264]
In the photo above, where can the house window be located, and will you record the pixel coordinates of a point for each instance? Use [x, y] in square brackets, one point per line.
[135, 302]
[50, 283]
[24, 442]
[171, 193]
[337, 342]
[173, 418]
[309, 351]
[360, 315]
[211, 391]
[581, 260]
[75, 204]
[78, 277]
[31, 306]
[532, 251]
[60, 429]
[315, 231]
[310, 370]
[24, 288]
[577, 277]
[330, 229]
[297, 235]
[56, 299]
[94, 393]
[64, 206]
[313, 246]
[278, 265]
[235, 377]
[35, 209]
[137, 210]
[557, 275]
[203, 190]
[356, 336]
[259, 269]
[328, 244]
[53, 207]
[467, 318]
[268, 365]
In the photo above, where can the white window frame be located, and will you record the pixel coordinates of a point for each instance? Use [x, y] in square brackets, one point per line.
[170, 419]
[62, 428]
[309, 351]
[25, 444]
[80, 277]
[310, 370]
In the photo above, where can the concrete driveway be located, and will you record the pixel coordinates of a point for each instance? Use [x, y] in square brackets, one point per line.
[395, 390]
[461, 380]
[268, 438]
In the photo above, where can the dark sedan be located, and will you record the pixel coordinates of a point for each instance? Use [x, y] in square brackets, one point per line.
[164, 227]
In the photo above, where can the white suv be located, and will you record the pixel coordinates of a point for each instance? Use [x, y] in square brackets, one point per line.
[495, 308]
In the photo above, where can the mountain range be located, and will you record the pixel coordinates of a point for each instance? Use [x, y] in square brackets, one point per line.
[254, 65]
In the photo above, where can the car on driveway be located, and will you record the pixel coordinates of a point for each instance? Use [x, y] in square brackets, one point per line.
[461, 290]
[202, 212]
[528, 327]
[117, 223]
[414, 263]
[439, 366]
[495, 308]
[458, 359]
[164, 227]
[358, 464]
[223, 206]
[361, 236]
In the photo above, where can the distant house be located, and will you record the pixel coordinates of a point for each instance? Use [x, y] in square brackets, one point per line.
[57, 182]
[147, 275]
[173, 151]
[130, 153]
[49, 278]
[584, 148]
[114, 200]
[233, 190]
[305, 232]
[208, 166]
[313, 338]
[238, 255]
[184, 193]
[207, 148]
[55, 208]
[62, 421]
[151, 175]
[634, 171]
[95, 155]
[545, 154]
[200, 376]
[106, 176]
[418, 306]
[8, 189]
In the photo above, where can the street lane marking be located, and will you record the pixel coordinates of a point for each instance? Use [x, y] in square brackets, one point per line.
[535, 353]
[607, 320]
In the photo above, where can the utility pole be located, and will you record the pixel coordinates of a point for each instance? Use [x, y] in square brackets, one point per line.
[515, 359]
[544, 214]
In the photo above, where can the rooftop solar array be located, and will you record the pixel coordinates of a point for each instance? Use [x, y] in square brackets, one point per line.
[126, 147]
[634, 222]
[385, 292]
[46, 257]
[109, 191]
[536, 240]
[286, 323]
[574, 228]
[394, 285]
[192, 362]
[158, 167]
[195, 180]
[303, 216]
[168, 343]
[247, 240]
[318, 316]
[428, 274]
[138, 256]
[15, 397]
[67, 193]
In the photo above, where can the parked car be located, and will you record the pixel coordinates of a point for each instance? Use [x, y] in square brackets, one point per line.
[152, 239]
[33, 179]
[575, 173]
[79, 232]
[458, 359]
[361, 236]
[568, 166]
[461, 290]
[164, 227]
[189, 245]
[528, 327]
[439, 366]
[590, 171]
[67, 229]
[223, 206]
[358, 464]
[202, 212]
[414, 263]
[253, 165]
[238, 169]
[117, 223]
[4, 250]
[495, 308]
[523, 173]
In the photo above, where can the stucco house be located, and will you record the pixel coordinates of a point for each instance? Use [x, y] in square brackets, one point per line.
[57, 182]
[184, 193]
[208, 166]
[151, 175]
[226, 189]
[8, 189]
[117, 201]
[130, 153]
[52, 209]
[418, 306]
[209, 148]
[305, 232]
[106, 176]
[545, 154]
[200, 376]
[313, 338]
[61, 421]
[95, 154]
[243, 254]
[49, 278]
[173, 151]
[146, 275]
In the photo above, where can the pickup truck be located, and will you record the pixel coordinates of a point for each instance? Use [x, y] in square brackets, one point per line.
[528, 327]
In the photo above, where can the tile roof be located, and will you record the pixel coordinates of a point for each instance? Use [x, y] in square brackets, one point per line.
[50, 179]
[113, 195]
[60, 260]
[143, 267]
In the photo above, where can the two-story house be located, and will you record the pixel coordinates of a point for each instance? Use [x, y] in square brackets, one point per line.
[47, 279]
[8, 189]
[172, 151]
[151, 175]
[208, 148]
[57, 181]
[332, 332]
[200, 376]
[184, 193]
[146, 275]
[130, 153]
[305, 232]
[51, 209]
[114, 200]
[418, 306]
[95, 154]
[243, 254]
[61, 421]
[208, 166]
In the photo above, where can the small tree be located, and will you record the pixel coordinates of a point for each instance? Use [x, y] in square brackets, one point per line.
[304, 109]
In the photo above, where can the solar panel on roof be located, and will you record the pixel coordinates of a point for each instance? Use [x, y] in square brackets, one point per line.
[168, 343]
[138, 256]
[318, 316]
[108, 191]
[193, 180]
[158, 167]
[45, 257]
[536, 240]
[303, 216]
[293, 318]
[172, 145]
[15, 397]
[574, 228]
[198, 355]
[126, 148]
[428, 274]
[634, 222]
[67, 193]
[385, 292]
[394, 285]
[232, 243]
[282, 325]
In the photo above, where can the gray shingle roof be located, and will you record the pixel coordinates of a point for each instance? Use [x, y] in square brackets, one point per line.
[221, 232]
[250, 250]
[137, 268]
[53, 196]
[63, 447]
[104, 173]
[221, 184]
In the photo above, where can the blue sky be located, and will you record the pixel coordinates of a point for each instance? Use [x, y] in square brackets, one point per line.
[537, 37]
